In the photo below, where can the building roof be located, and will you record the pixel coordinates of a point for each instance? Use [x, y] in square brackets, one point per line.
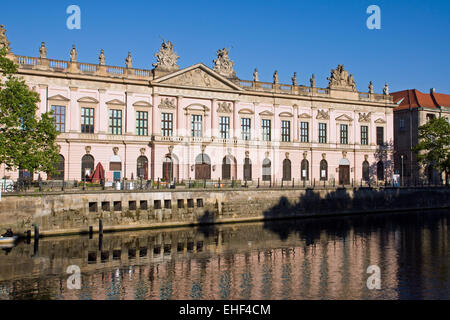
[413, 98]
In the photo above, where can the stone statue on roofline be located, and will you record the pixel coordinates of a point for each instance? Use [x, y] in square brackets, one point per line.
[275, 77]
[101, 58]
[312, 81]
[129, 61]
[4, 42]
[166, 58]
[73, 54]
[370, 87]
[255, 75]
[223, 65]
[386, 89]
[43, 51]
[294, 79]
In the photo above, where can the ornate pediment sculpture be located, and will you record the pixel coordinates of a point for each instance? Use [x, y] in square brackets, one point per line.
[224, 107]
[364, 117]
[340, 79]
[223, 65]
[4, 43]
[166, 103]
[166, 58]
[322, 115]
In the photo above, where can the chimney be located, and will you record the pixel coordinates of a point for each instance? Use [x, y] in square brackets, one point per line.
[432, 90]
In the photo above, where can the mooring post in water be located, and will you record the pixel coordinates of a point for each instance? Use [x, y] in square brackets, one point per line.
[91, 231]
[100, 243]
[28, 236]
[100, 227]
[36, 232]
[258, 183]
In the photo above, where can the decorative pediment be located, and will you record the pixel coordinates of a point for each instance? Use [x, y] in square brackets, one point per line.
[224, 107]
[196, 107]
[197, 75]
[304, 116]
[245, 111]
[322, 115]
[58, 97]
[142, 104]
[266, 113]
[167, 103]
[379, 120]
[364, 117]
[116, 102]
[344, 117]
[87, 100]
[286, 114]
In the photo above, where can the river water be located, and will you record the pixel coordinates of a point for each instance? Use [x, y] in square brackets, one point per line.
[324, 258]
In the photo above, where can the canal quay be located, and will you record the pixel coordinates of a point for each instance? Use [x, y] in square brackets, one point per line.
[314, 258]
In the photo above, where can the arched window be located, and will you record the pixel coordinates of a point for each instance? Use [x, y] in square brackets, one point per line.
[142, 168]
[247, 169]
[365, 171]
[304, 171]
[266, 170]
[202, 167]
[59, 174]
[380, 170]
[286, 170]
[323, 170]
[87, 167]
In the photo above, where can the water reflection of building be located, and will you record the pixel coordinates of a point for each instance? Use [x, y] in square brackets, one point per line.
[244, 262]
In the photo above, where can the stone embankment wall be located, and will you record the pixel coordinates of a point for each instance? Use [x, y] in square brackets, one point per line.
[65, 213]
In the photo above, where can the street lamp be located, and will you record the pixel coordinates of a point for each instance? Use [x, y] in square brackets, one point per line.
[402, 168]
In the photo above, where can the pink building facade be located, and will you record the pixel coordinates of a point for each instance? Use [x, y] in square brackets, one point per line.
[205, 123]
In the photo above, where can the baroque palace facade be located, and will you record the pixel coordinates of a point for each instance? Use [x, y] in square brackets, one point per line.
[202, 123]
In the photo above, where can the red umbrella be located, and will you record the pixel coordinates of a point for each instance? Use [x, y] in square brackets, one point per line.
[98, 174]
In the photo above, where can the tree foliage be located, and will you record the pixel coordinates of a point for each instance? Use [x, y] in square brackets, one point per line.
[434, 145]
[27, 141]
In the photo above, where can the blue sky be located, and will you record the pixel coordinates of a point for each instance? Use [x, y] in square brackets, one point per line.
[411, 50]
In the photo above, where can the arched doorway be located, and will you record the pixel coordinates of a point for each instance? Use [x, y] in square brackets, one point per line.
[365, 171]
[228, 167]
[266, 170]
[247, 169]
[142, 168]
[380, 170]
[323, 170]
[167, 168]
[87, 167]
[286, 170]
[344, 171]
[202, 167]
[304, 170]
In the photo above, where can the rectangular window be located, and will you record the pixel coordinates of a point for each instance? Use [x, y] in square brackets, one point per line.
[344, 134]
[224, 124]
[285, 131]
[115, 121]
[365, 135]
[380, 136]
[166, 124]
[87, 120]
[59, 116]
[196, 121]
[245, 128]
[322, 133]
[304, 131]
[266, 130]
[142, 123]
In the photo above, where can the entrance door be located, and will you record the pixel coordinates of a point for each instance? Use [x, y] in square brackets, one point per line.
[344, 174]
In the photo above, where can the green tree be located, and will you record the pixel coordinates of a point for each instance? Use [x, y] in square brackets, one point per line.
[26, 140]
[434, 145]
